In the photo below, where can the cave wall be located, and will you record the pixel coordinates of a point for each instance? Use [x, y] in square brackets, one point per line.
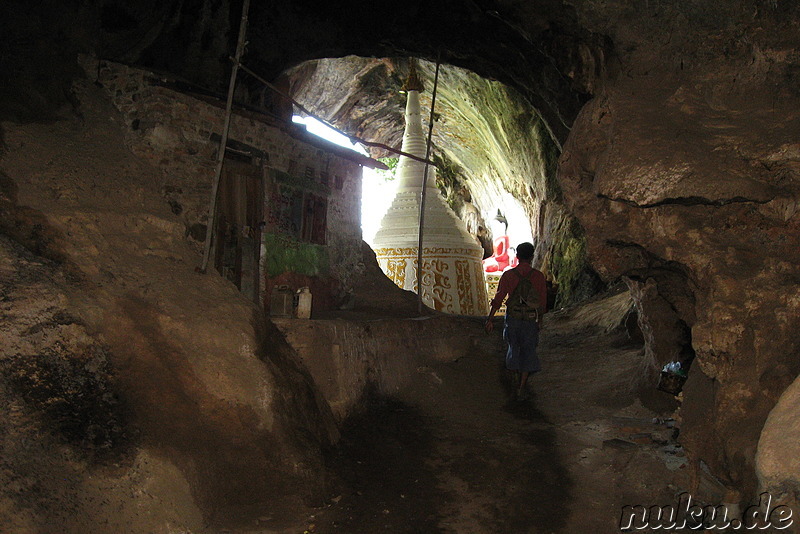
[688, 164]
[117, 356]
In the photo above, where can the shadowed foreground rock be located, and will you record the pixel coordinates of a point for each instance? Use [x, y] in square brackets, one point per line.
[124, 372]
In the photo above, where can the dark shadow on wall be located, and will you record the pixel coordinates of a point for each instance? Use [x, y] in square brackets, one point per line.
[305, 415]
[222, 448]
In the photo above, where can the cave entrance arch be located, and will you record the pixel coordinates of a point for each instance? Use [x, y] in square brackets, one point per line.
[495, 154]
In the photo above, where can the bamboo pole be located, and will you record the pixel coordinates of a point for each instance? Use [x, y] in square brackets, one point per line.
[212, 211]
[424, 186]
[353, 138]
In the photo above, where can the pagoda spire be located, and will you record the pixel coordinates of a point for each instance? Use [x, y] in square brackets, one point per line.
[410, 172]
[413, 82]
[452, 275]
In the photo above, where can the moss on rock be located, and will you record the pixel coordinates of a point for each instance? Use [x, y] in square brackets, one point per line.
[570, 268]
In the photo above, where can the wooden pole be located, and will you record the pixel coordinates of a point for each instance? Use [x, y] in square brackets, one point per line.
[424, 186]
[212, 211]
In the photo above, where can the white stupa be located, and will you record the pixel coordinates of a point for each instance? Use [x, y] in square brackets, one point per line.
[452, 274]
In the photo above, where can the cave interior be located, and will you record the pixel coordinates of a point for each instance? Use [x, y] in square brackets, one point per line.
[649, 150]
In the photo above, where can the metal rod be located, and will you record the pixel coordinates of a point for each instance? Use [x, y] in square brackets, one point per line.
[352, 138]
[212, 211]
[424, 186]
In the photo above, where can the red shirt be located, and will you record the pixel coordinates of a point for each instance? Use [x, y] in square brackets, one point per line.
[509, 281]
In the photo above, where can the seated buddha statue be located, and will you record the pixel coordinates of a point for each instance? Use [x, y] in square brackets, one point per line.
[500, 260]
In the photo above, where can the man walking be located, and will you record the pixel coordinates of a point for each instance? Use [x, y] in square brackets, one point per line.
[527, 302]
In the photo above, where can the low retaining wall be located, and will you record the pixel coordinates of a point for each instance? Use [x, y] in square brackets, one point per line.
[345, 356]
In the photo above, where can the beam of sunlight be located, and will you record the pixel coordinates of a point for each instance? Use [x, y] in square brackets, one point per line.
[321, 130]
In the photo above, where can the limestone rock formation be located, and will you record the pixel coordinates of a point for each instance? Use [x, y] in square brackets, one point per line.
[778, 458]
[689, 170]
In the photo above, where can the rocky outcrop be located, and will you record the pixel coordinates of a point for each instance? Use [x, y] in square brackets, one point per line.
[778, 458]
[123, 371]
[686, 176]
[70, 444]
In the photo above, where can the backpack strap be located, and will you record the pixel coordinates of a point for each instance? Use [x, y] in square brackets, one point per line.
[523, 277]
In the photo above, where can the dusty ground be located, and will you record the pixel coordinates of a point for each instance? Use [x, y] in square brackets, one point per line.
[454, 453]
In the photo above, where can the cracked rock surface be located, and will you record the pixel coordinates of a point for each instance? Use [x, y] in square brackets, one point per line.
[696, 173]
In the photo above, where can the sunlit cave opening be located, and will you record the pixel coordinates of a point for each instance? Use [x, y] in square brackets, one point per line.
[493, 159]
[469, 138]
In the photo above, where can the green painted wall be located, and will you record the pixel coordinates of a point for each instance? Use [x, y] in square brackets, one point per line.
[283, 254]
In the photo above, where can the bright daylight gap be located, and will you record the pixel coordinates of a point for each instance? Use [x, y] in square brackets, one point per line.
[377, 191]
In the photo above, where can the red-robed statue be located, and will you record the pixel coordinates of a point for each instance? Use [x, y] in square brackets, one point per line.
[500, 260]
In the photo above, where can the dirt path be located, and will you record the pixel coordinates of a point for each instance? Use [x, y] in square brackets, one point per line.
[454, 453]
